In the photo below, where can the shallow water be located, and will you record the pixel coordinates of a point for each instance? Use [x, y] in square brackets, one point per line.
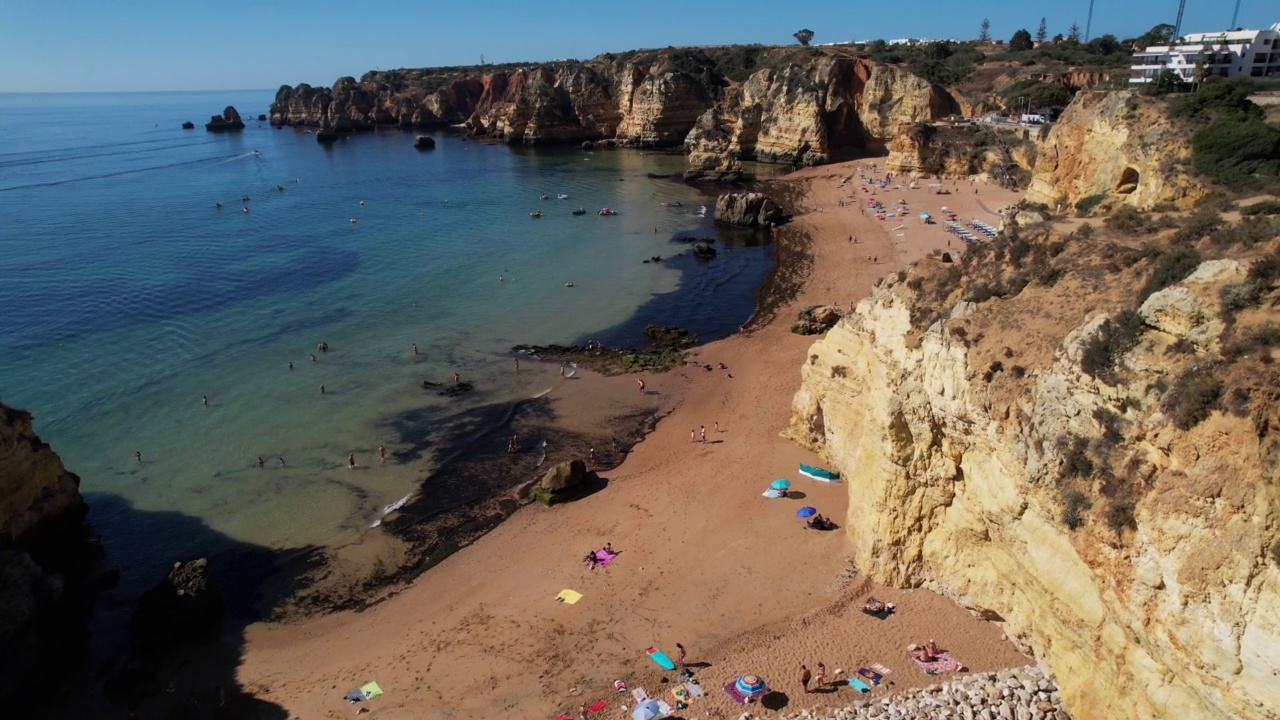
[126, 296]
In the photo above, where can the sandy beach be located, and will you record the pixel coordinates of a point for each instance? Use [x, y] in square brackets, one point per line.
[705, 560]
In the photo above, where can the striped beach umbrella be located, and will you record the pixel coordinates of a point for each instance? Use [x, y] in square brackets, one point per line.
[780, 484]
[751, 686]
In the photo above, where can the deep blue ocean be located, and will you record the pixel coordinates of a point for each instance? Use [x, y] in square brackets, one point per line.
[126, 296]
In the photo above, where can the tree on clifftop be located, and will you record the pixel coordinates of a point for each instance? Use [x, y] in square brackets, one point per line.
[984, 30]
[804, 36]
[1073, 32]
[1021, 40]
[1042, 32]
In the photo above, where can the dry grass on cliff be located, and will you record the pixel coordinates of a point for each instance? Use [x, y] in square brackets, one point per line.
[1031, 288]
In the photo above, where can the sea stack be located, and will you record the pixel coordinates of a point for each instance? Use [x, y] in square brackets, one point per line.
[228, 121]
[424, 142]
[188, 125]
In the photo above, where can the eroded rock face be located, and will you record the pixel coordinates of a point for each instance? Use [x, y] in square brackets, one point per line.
[1117, 145]
[955, 491]
[46, 563]
[799, 114]
[747, 210]
[563, 475]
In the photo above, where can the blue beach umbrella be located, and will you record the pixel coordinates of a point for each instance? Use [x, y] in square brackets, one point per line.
[751, 686]
[806, 511]
[647, 710]
[780, 484]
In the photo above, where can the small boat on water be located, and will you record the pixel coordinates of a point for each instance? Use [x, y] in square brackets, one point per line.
[607, 211]
[535, 214]
[580, 211]
[819, 474]
[562, 196]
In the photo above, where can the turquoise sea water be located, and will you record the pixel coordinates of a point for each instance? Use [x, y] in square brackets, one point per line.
[126, 296]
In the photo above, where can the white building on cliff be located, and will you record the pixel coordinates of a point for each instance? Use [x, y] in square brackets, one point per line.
[1247, 53]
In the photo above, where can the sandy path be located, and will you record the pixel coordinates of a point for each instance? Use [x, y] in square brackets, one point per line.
[706, 560]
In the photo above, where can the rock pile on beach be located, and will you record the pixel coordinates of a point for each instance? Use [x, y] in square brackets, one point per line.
[1023, 693]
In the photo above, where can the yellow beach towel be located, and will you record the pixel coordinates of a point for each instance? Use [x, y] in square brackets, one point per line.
[371, 690]
[569, 596]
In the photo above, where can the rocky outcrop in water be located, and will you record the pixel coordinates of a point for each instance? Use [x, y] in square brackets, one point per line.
[801, 107]
[228, 121]
[424, 142]
[46, 564]
[748, 210]
[1008, 451]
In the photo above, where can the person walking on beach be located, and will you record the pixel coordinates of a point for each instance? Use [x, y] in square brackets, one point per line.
[591, 457]
[805, 677]
[680, 658]
[382, 453]
[692, 437]
[561, 369]
[640, 384]
[703, 431]
[821, 679]
[717, 424]
[351, 460]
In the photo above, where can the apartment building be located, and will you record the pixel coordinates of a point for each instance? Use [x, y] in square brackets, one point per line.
[1236, 53]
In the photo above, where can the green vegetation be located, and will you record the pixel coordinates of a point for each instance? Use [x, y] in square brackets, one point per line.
[1074, 504]
[1035, 94]
[1020, 41]
[1084, 205]
[803, 36]
[1166, 83]
[1236, 153]
[1266, 207]
[1193, 396]
[942, 62]
[1171, 267]
[1115, 337]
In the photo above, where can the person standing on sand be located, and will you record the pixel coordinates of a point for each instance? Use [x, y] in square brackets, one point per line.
[517, 364]
[691, 435]
[703, 431]
[640, 384]
[805, 677]
[821, 679]
[582, 712]
[351, 460]
[561, 369]
[680, 657]
[591, 457]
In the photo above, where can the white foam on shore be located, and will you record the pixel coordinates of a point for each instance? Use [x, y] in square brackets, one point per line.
[544, 392]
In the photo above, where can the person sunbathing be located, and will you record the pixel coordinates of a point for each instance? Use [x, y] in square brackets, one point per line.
[590, 560]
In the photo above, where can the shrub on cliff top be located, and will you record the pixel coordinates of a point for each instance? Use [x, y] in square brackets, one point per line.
[1171, 267]
[1084, 205]
[1074, 503]
[1115, 337]
[1220, 100]
[1193, 396]
[1237, 152]
[1266, 207]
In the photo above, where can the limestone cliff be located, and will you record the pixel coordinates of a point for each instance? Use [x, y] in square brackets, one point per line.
[1120, 521]
[1120, 147]
[794, 105]
[45, 562]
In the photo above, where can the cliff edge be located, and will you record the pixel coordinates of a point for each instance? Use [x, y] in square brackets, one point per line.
[1077, 437]
[46, 562]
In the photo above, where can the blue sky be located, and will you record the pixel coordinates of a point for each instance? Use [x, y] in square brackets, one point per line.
[86, 45]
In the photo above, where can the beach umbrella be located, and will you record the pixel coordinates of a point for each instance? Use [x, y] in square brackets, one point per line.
[751, 686]
[647, 710]
[780, 484]
[806, 511]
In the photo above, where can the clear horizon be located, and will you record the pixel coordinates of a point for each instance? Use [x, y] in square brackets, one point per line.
[64, 46]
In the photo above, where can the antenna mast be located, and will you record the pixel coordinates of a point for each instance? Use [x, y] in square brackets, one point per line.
[1088, 23]
[1177, 26]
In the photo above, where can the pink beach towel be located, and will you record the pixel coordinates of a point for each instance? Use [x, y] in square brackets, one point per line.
[603, 558]
[943, 664]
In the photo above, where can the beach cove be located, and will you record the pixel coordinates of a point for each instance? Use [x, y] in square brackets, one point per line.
[705, 560]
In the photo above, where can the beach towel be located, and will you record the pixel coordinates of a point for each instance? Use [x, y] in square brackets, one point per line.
[639, 694]
[665, 708]
[880, 668]
[858, 685]
[354, 696]
[871, 675]
[371, 690]
[568, 597]
[597, 706]
[681, 694]
[943, 664]
[604, 558]
[694, 689]
[772, 493]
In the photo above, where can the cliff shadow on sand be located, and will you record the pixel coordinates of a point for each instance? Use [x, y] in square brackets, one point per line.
[168, 646]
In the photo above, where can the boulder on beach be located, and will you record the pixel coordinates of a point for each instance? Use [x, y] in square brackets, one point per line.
[816, 319]
[703, 250]
[228, 121]
[188, 125]
[184, 609]
[563, 476]
[424, 142]
[748, 210]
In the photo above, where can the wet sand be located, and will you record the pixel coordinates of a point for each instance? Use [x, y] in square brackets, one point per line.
[706, 561]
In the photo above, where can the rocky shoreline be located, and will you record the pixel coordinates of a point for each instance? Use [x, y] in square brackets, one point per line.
[1024, 693]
